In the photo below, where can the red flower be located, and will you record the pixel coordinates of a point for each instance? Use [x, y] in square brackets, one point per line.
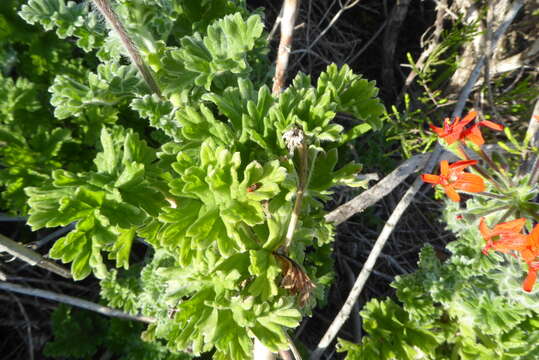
[504, 237]
[457, 131]
[507, 237]
[452, 132]
[452, 177]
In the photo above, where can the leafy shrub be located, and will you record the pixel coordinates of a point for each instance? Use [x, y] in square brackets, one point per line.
[212, 187]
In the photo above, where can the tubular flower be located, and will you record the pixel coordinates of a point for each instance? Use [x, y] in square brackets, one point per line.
[504, 237]
[457, 130]
[452, 178]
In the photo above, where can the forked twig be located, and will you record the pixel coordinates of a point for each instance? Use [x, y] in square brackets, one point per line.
[378, 191]
[388, 228]
[348, 5]
[28, 326]
[31, 257]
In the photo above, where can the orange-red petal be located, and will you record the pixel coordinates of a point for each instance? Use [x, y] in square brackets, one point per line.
[534, 236]
[460, 165]
[484, 229]
[444, 168]
[511, 226]
[431, 179]
[469, 182]
[492, 125]
[530, 280]
[451, 193]
[436, 129]
[474, 135]
[469, 117]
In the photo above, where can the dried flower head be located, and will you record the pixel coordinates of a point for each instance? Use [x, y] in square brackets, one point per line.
[293, 139]
[295, 279]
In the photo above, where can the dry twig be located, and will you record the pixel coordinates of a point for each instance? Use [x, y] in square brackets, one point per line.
[70, 300]
[28, 326]
[398, 14]
[290, 12]
[31, 257]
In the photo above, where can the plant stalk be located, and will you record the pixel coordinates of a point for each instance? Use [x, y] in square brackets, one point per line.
[112, 19]
[302, 184]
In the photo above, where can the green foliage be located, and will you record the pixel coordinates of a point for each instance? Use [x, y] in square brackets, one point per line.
[108, 204]
[231, 48]
[421, 106]
[212, 193]
[120, 338]
[392, 335]
[68, 19]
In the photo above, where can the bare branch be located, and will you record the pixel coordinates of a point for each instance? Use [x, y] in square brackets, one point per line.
[290, 12]
[378, 191]
[70, 300]
[31, 257]
[398, 14]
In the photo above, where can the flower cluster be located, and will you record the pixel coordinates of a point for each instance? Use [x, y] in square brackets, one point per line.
[506, 237]
[452, 176]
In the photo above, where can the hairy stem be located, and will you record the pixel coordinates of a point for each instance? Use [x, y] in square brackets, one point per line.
[112, 19]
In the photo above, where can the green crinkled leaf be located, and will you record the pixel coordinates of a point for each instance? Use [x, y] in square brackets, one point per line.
[111, 203]
[122, 248]
[210, 60]
[113, 84]
[352, 94]
[160, 113]
[391, 335]
[270, 322]
[265, 270]
[82, 248]
[68, 18]
[197, 126]
[325, 176]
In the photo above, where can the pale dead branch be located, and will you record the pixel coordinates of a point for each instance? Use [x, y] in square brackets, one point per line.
[31, 257]
[290, 12]
[73, 301]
